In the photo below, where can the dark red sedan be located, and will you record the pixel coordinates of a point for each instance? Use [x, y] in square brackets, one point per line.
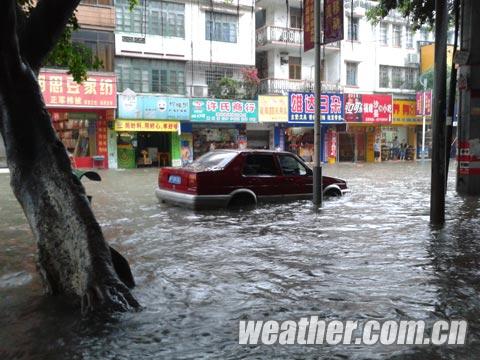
[232, 178]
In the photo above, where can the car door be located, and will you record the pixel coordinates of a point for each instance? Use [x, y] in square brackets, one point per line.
[296, 177]
[260, 174]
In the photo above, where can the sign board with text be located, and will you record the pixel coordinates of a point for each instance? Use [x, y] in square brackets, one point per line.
[301, 108]
[332, 21]
[133, 106]
[308, 25]
[223, 111]
[272, 108]
[59, 90]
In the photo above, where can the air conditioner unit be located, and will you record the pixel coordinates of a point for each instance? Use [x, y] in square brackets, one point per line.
[200, 91]
[412, 59]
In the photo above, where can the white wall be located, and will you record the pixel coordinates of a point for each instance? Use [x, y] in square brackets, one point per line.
[195, 47]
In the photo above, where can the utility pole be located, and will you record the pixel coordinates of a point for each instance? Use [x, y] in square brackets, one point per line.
[317, 161]
[437, 195]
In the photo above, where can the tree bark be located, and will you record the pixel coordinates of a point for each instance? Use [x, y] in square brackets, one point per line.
[74, 258]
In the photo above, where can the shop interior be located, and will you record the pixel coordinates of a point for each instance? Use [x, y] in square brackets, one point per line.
[300, 141]
[77, 131]
[207, 139]
[144, 149]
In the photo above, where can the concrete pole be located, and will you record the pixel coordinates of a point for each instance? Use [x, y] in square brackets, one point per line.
[437, 195]
[317, 162]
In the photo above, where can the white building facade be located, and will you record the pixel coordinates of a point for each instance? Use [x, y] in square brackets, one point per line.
[378, 58]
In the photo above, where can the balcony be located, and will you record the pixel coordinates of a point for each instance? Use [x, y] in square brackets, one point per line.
[268, 37]
[96, 17]
[283, 86]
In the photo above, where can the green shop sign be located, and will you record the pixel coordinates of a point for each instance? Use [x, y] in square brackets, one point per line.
[223, 111]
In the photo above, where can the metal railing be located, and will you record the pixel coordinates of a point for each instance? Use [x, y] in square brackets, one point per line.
[283, 86]
[277, 34]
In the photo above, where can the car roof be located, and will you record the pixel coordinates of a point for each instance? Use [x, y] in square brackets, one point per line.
[242, 151]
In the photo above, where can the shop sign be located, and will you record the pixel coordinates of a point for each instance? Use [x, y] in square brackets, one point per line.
[353, 108]
[301, 108]
[272, 108]
[308, 25]
[421, 97]
[331, 143]
[377, 108]
[146, 125]
[404, 113]
[133, 106]
[333, 21]
[223, 111]
[59, 90]
[368, 108]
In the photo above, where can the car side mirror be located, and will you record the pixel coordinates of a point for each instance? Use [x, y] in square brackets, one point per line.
[309, 172]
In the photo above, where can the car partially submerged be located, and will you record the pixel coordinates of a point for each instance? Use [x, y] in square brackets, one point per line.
[237, 178]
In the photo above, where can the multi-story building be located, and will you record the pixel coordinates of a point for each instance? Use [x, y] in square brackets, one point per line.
[173, 49]
[378, 58]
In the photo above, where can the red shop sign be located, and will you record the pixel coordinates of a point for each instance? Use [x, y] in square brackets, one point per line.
[59, 90]
[377, 108]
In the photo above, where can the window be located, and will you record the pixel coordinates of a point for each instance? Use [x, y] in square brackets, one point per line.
[217, 159]
[154, 18]
[352, 30]
[221, 27]
[352, 68]
[291, 166]
[100, 44]
[409, 41]
[397, 35]
[397, 77]
[384, 77]
[383, 33]
[425, 34]
[296, 20]
[294, 68]
[144, 75]
[258, 165]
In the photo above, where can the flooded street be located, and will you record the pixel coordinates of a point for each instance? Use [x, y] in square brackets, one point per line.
[368, 255]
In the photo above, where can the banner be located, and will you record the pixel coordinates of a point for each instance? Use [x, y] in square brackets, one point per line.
[301, 108]
[133, 106]
[272, 108]
[332, 21]
[223, 111]
[308, 25]
[59, 90]
[353, 108]
[142, 125]
[427, 111]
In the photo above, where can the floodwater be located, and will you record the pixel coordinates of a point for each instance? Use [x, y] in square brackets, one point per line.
[369, 255]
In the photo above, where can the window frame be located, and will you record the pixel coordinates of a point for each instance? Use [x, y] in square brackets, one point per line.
[355, 66]
[221, 27]
[280, 156]
[274, 162]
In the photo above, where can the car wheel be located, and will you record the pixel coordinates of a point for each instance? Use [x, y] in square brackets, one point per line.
[242, 201]
[332, 193]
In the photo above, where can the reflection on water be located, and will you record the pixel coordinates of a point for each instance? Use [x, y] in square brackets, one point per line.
[369, 255]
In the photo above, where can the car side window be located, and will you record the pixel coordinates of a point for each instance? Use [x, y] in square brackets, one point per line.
[257, 165]
[291, 166]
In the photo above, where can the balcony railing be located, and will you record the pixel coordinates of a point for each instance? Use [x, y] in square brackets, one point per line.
[276, 34]
[283, 86]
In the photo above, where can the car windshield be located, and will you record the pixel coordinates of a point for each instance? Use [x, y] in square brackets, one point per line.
[214, 159]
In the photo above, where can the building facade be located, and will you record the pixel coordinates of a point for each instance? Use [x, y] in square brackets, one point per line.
[373, 59]
[178, 49]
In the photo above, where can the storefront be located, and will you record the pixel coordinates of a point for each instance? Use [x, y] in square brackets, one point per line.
[220, 124]
[365, 114]
[272, 118]
[80, 113]
[299, 135]
[148, 130]
[424, 133]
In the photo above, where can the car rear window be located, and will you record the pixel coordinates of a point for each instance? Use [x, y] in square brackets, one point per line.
[215, 159]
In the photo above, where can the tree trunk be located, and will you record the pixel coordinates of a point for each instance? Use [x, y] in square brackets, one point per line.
[74, 258]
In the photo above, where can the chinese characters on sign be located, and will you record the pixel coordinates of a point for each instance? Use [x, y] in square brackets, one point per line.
[223, 111]
[140, 125]
[59, 90]
[332, 21]
[368, 108]
[308, 25]
[427, 97]
[301, 108]
[102, 140]
[272, 108]
[404, 113]
[132, 106]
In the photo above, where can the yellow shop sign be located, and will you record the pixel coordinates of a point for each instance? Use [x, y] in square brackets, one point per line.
[147, 125]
